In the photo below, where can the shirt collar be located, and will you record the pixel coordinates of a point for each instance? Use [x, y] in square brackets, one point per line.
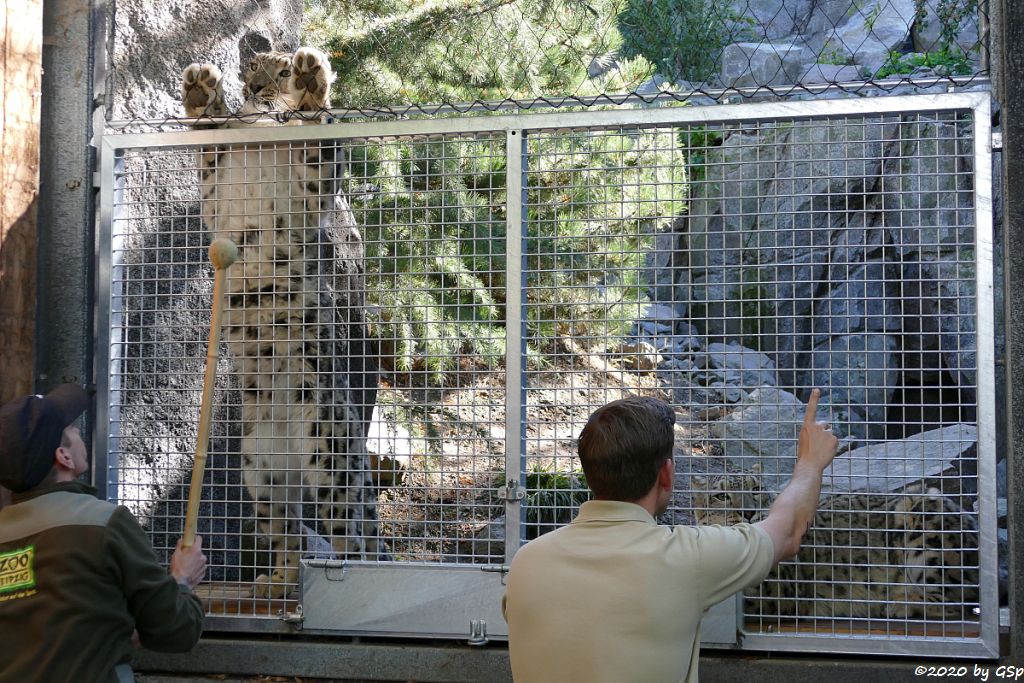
[71, 486]
[612, 511]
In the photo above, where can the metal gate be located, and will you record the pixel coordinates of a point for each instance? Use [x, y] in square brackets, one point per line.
[485, 283]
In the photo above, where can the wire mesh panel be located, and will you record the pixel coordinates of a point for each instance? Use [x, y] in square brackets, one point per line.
[425, 313]
[359, 362]
[431, 211]
[792, 253]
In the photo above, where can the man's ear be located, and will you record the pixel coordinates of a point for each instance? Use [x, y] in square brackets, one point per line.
[62, 457]
[666, 474]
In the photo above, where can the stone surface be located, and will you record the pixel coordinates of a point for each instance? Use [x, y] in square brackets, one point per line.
[831, 73]
[859, 370]
[762, 63]
[154, 41]
[764, 427]
[870, 30]
[865, 298]
[751, 369]
[890, 465]
[763, 430]
[928, 32]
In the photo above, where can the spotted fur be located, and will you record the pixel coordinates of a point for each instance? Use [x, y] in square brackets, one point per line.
[302, 429]
[911, 554]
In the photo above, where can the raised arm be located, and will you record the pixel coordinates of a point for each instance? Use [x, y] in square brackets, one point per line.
[793, 510]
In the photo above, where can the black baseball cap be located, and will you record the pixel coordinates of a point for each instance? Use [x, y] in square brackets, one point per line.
[30, 432]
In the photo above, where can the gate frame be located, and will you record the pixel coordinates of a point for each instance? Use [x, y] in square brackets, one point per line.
[517, 128]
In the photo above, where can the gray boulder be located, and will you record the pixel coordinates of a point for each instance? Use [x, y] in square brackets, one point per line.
[763, 430]
[866, 298]
[870, 30]
[859, 370]
[743, 367]
[891, 465]
[773, 19]
[824, 18]
[763, 63]
[928, 192]
[831, 73]
[939, 318]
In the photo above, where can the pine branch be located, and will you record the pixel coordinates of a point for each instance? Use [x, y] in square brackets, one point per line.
[430, 18]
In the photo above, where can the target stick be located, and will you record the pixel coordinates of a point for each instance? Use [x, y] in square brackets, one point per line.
[223, 253]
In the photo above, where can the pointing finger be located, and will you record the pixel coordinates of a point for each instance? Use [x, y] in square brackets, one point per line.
[812, 407]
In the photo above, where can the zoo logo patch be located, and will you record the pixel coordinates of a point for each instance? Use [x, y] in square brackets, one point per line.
[16, 573]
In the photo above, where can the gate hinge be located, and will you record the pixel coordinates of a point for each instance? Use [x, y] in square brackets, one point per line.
[295, 617]
[511, 491]
[997, 141]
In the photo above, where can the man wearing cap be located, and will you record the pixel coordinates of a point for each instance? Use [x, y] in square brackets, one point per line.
[78, 574]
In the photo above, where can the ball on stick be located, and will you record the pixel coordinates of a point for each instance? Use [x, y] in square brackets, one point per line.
[223, 253]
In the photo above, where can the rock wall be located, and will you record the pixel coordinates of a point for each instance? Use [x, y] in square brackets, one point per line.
[786, 42]
[153, 41]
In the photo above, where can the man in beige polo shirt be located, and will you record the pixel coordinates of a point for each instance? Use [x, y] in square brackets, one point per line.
[616, 598]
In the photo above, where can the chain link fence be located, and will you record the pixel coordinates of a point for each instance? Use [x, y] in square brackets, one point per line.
[397, 58]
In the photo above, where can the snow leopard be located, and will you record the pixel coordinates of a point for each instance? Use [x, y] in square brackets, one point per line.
[910, 554]
[287, 327]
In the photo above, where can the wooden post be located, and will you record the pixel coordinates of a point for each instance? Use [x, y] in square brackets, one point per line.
[20, 85]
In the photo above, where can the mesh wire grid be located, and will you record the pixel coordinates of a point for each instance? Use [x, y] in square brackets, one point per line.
[726, 266]
[486, 55]
[792, 254]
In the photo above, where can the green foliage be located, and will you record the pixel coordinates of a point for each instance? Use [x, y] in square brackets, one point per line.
[835, 55]
[954, 61]
[696, 141]
[592, 205]
[433, 213]
[951, 14]
[390, 52]
[434, 232]
[552, 499]
[683, 38]
[434, 251]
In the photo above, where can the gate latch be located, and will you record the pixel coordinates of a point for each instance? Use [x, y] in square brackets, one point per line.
[511, 491]
[296, 618]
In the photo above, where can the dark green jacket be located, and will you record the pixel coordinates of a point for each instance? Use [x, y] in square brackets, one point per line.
[77, 575]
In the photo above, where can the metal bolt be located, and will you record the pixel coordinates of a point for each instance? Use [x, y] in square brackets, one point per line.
[477, 632]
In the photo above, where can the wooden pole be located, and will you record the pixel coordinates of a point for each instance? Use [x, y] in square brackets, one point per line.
[21, 23]
[222, 254]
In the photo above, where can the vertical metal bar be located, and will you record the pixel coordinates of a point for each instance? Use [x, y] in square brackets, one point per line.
[986, 415]
[1011, 49]
[515, 354]
[109, 316]
[64, 292]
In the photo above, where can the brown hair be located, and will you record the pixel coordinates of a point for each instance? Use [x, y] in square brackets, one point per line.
[623, 444]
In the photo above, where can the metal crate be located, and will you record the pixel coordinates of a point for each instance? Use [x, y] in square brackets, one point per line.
[492, 280]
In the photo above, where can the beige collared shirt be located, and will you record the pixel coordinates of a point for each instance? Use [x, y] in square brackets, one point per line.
[614, 597]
